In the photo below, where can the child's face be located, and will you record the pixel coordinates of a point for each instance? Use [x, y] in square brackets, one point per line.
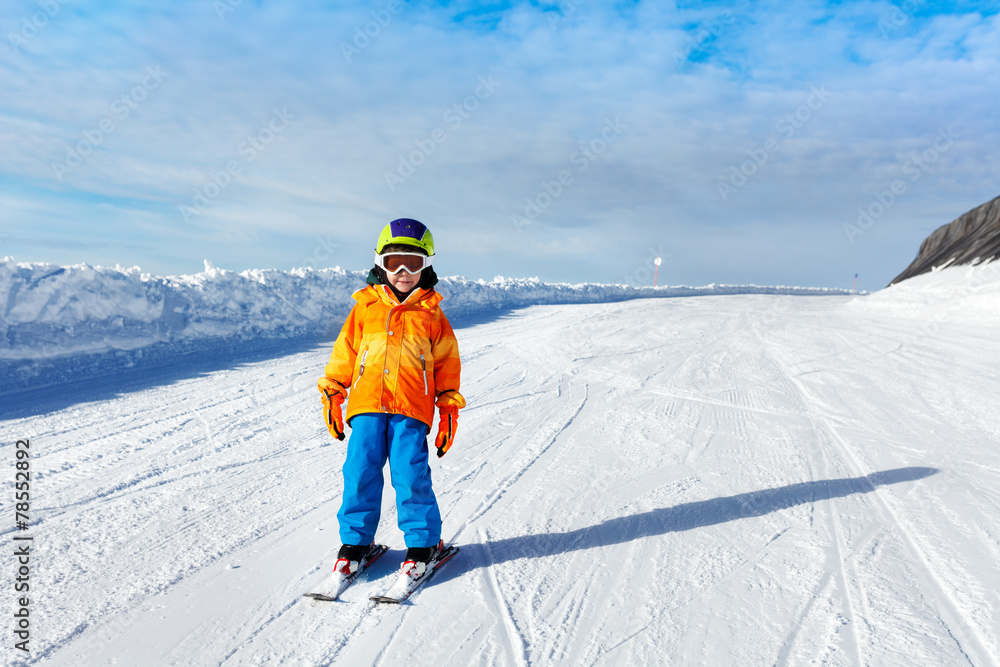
[404, 281]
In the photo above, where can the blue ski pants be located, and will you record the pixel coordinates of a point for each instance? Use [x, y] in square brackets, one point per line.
[376, 438]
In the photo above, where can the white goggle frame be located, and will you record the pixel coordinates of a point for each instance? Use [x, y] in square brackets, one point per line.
[426, 261]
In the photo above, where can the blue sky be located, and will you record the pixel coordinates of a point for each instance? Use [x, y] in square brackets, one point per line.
[774, 143]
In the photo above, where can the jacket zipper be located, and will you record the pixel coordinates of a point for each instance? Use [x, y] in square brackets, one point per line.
[361, 370]
[423, 365]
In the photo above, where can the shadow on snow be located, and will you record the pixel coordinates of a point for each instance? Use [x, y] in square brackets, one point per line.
[674, 519]
[65, 382]
[29, 388]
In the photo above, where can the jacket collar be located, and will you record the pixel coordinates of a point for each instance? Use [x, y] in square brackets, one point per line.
[426, 298]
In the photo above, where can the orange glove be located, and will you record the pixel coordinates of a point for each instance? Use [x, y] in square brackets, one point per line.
[446, 429]
[333, 411]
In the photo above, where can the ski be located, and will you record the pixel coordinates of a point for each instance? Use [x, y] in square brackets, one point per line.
[405, 584]
[338, 582]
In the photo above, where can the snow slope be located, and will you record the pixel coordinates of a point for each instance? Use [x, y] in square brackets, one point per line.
[969, 294]
[751, 480]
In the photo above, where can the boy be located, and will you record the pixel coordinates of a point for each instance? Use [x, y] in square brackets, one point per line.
[395, 359]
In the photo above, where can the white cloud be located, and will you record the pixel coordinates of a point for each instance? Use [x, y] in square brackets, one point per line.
[687, 126]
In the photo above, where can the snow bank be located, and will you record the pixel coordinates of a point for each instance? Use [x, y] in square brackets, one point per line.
[57, 311]
[53, 310]
[967, 294]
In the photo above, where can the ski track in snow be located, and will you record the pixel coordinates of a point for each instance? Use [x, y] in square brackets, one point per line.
[751, 480]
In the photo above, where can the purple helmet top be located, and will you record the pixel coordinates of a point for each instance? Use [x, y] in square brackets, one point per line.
[409, 228]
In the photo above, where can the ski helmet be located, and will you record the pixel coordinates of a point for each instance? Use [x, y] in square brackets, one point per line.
[406, 231]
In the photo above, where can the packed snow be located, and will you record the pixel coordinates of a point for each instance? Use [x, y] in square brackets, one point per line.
[751, 479]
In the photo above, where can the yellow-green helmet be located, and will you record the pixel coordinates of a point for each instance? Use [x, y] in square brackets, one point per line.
[406, 231]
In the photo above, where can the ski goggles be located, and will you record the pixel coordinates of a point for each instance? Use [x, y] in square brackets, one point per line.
[411, 262]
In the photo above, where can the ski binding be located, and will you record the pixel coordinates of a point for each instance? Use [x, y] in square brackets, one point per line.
[406, 584]
[338, 582]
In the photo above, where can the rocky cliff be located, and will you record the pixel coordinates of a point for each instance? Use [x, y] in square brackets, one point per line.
[975, 235]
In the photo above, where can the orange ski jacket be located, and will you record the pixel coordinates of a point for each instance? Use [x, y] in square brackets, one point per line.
[397, 358]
